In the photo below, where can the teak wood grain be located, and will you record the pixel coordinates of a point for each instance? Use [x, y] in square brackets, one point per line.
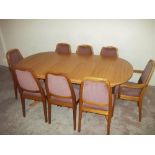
[77, 67]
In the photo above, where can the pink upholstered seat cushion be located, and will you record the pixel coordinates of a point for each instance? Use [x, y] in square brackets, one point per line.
[32, 94]
[128, 91]
[116, 89]
[57, 99]
[99, 107]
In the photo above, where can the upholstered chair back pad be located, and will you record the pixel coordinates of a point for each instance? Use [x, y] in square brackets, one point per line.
[58, 85]
[109, 51]
[15, 57]
[96, 92]
[26, 80]
[146, 73]
[84, 50]
[63, 48]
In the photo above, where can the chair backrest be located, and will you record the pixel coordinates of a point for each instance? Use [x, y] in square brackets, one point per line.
[109, 51]
[84, 50]
[58, 85]
[147, 72]
[13, 57]
[96, 91]
[27, 81]
[63, 48]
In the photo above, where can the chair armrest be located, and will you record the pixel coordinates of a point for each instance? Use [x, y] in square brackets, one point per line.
[128, 85]
[138, 71]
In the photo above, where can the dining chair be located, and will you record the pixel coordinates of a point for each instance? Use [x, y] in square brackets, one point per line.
[84, 50]
[96, 97]
[13, 57]
[109, 51]
[135, 91]
[63, 48]
[30, 88]
[60, 92]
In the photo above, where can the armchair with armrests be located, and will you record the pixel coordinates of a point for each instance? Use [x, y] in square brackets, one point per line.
[135, 91]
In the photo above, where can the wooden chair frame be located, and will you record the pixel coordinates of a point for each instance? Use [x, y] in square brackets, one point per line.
[64, 104]
[139, 98]
[32, 97]
[11, 69]
[107, 113]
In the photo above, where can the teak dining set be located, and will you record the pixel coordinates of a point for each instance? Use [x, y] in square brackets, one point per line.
[54, 79]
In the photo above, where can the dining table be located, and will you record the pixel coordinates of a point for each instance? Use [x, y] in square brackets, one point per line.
[77, 67]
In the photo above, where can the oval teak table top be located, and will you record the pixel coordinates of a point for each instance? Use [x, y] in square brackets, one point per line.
[76, 67]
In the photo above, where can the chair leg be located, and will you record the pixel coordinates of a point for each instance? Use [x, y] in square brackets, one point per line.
[108, 125]
[74, 117]
[80, 117]
[49, 113]
[112, 113]
[45, 110]
[23, 106]
[140, 110]
[15, 90]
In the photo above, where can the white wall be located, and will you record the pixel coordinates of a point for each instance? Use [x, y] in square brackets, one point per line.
[135, 39]
[2, 49]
